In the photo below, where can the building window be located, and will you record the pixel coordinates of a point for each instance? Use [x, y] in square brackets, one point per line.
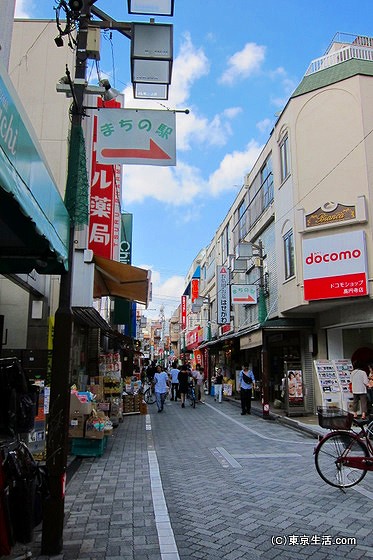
[284, 155]
[289, 254]
[225, 244]
[266, 177]
[242, 220]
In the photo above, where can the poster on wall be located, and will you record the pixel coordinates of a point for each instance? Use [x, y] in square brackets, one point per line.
[293, 382]
[295, 387]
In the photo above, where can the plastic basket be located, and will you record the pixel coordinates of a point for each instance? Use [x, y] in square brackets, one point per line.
[334, 418]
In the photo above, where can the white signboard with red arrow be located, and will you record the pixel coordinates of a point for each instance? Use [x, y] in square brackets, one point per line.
[244, 294]
[136, 136]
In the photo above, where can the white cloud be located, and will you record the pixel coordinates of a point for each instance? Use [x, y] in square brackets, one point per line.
[243, 63]
[23, 9]
[184, 183]
[189, 66]
[166, 294]
[233, 168]
[173, 185]
[264, 126]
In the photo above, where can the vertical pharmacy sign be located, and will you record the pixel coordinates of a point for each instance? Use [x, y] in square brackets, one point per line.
[136, 136]
[104, 203]
[223, 295]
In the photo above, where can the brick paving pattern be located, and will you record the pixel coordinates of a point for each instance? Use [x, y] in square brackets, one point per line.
[218, 486]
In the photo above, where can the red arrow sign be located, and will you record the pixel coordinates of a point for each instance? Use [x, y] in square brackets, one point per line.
[247, 298]
[154, 152]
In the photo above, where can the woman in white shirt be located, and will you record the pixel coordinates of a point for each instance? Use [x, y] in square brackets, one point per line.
[359, 380]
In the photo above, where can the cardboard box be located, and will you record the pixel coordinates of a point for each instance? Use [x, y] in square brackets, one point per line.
[92, 433]
[143, 408]
[76, 425]
[78, 407]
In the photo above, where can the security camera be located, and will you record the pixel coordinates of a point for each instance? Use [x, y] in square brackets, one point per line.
[59, 41]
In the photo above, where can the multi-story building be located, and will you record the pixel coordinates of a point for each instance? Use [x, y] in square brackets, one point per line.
[298, 237]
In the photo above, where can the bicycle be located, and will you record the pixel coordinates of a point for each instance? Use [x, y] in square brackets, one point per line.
[343, 456]
[148, 393]
[191, 395]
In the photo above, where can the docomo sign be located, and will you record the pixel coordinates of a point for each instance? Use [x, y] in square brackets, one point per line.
[317, 258]
[335, 266]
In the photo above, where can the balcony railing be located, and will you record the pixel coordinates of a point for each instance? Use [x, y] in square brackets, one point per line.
[257, 205]
[346, 53]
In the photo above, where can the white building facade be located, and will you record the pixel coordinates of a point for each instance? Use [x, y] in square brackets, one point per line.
[304, 212]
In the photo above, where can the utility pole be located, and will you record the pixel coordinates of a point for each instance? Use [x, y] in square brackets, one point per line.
[59, 409]
[262, 315]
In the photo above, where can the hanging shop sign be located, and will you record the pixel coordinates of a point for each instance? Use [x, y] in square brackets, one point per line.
[194, 289]
[136, 136]
[244, 294]
[125, 253]
[104, 208]
[335, 266]
[194, 338]
[183, 312]
[223, 295]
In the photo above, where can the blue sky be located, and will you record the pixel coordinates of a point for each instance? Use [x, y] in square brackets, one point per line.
[236, 62]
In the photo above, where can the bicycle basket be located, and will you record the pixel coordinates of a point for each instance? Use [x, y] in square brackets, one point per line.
[334, 418]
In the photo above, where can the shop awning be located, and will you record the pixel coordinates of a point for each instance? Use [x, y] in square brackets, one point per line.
[34, 222]
[90, 317]
[113, 278]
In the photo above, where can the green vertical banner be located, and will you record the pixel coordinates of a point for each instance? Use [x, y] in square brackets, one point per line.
[125, 248]
[122, 307]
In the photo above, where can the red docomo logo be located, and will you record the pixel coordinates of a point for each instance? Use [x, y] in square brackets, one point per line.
[317, 258]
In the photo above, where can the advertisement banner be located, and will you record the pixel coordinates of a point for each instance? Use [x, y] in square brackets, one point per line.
[223, 295]
[104, 212]
[335, 266]
[194, 289]
[183, 312]
[125, 251]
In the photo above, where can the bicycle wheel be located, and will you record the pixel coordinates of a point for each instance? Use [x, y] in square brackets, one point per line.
[328, 453]
[193, 398]
[149, 396]
[369, 430]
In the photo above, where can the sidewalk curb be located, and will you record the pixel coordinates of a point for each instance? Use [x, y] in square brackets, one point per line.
[313, 431]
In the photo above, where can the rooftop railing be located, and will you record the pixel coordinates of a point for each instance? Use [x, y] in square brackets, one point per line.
[346, 53]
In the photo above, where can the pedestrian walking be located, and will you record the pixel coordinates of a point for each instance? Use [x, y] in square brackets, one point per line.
[161, 385]
[174, 374]
[218, 385]
[200, 379]
[370, 389]
[246, 382]
[360, 382]
[183, 378]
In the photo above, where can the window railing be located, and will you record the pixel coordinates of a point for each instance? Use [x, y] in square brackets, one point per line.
[257, 205]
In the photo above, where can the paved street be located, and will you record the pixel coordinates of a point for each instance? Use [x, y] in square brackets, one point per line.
[211, 484]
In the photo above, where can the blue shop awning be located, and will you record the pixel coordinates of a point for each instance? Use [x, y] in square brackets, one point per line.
[34, 222]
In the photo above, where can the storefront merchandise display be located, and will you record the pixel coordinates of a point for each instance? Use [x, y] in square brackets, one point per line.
[333, 378]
